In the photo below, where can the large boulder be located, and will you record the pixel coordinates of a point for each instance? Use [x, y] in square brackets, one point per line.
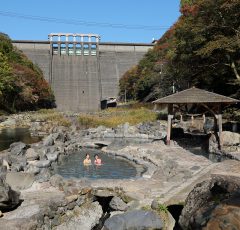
[9, 198]
[213, 204]
[18, 163]
[230, 138]
[19, 180]
[134, 220]
[18, 148]
[85, 217]
[9, 122]
[41, 164]
[31, 154]
[118, 204]
[52, 157]
[49, 140]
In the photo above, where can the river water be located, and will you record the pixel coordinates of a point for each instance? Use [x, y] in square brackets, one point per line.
[8, 136]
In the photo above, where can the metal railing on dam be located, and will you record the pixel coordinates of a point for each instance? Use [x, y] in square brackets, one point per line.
[82, 71]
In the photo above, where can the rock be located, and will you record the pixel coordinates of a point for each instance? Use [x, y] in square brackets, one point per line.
[3, 171]
[44, 175]
[84, 217]
[134, 220]
[33, 169]
[31, 154]
[71, 198]
[125, 129]
[52, 157]
[230, 138]
[49, 140]
[213, 204]
[56, 180]
[9, 122]
[133, 204]
[86, 190]
[224, 216]
[155, 204]
[61, 137]
[19, 180]
[5, 164]
[1, 214]
[18, 148]
[115, 213]
[104, 193]
[18, 163]
[41, 164]
[9, 198]
[118, 204]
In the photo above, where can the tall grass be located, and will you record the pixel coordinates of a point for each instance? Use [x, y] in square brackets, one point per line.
[116, 116]
[51, 116]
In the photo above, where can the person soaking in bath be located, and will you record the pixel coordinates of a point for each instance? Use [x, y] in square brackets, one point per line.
[87, 160]
[97, 160]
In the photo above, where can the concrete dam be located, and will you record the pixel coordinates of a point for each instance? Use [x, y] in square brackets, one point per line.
[81, 70]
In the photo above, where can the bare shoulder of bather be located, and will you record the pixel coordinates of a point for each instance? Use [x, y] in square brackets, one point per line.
[87, 160]
[97, 160]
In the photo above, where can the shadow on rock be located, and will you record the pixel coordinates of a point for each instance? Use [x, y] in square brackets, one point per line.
[213, 204]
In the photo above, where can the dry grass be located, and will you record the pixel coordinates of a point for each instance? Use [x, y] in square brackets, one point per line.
[116, 116]
[51, 116]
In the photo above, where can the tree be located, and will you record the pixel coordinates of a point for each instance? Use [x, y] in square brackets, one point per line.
[201, 49]
[127, 83]
[22, 85]
[7, 83]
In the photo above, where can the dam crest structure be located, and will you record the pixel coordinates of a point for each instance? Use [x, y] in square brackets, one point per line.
[81, 70]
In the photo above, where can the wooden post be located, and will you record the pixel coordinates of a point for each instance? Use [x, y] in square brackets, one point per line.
[169, 127]
[220, 130]
[204, 121]
[192, 118]
[181, 119]
[155, 107]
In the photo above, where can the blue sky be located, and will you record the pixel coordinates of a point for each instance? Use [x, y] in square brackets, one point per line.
[160, 14]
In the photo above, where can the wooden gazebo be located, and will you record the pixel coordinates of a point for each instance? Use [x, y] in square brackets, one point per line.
[212, 102]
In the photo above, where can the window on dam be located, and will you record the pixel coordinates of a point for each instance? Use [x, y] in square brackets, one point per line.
[86, 50]
[74, 44]
[71, 49]
[78, 49]
[63, 49]
[93, 50]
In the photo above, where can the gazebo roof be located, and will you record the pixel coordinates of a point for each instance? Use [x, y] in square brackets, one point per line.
[194, 96]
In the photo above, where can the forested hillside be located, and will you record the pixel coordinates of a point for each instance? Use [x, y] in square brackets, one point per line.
[22, 86]
[201, 49]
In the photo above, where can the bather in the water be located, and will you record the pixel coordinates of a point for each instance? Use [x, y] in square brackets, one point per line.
[97, 160]
[87, 160]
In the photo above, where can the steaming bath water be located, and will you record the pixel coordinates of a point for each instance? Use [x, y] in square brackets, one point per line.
[112, 167]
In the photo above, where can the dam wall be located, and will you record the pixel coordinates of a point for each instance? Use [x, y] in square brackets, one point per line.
[81, 77]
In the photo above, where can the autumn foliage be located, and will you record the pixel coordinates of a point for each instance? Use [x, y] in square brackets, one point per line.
[201, 49]
[22, 85]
